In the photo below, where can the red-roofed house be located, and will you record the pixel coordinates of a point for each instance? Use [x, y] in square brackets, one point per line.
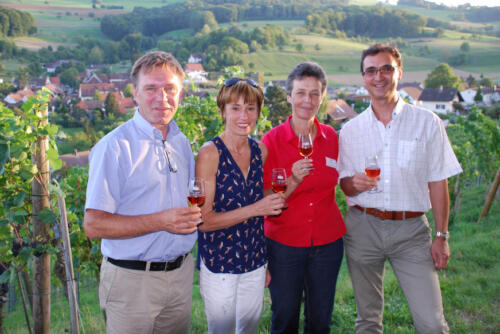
[125, 104]
[86, 91]
[19, 97]
[55, 80]
[195, 73]
[340, 111]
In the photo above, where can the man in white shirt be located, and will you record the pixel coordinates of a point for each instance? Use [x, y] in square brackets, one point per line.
[137, 203]
[415, 159]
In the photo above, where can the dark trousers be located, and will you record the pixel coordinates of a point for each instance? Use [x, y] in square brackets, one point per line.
[297, 270]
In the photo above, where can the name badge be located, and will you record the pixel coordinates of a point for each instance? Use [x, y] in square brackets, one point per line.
[331, 162]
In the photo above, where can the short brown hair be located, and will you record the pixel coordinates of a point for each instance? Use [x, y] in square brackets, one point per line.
[156, 59]
[241, 88]
[382, 47]
[306, 69]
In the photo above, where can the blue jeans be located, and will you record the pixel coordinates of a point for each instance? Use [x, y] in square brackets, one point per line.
[295, 270]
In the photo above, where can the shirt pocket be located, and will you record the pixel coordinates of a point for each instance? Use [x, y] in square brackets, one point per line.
[410, 154]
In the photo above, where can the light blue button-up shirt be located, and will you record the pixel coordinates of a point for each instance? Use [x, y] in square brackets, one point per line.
[129, 175]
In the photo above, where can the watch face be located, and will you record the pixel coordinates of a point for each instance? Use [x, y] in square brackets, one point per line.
[445, 235]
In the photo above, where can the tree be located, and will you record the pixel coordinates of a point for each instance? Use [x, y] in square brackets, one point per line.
[111, 106]
[128, 91]
[299, 47]
[487, 82]
[70, 77]
[479, 96]
[442, 76]
[279, 109]
[465, 47]
[471, 81]
[96, 56]
[97, 95]
[35, 69]
[23, 77]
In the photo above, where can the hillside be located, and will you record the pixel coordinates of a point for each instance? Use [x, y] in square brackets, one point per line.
[63, 22]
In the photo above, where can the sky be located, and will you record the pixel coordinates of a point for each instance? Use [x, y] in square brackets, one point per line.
[451, 3]
[472, 2]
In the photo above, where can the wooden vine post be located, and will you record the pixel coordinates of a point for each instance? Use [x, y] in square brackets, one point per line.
[491, 196]
[41, 263]
[72, 297]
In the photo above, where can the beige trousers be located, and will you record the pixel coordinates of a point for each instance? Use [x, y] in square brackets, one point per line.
[143, 302]
[369, 242]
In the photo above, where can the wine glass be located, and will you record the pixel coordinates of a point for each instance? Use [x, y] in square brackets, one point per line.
[372, 169]
[305, 145]
[279, 181]
[196, 191]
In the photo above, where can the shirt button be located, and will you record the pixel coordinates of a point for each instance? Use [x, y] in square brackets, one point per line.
[311, 204]
[310, 220]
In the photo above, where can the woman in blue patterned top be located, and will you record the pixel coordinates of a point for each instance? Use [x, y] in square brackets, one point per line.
[231, 242]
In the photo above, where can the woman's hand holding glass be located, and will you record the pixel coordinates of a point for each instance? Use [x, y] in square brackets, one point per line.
[301, 168]
[270, 205]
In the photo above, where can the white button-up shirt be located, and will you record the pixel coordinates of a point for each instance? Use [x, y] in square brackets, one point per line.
[413, 149]
[129, 175]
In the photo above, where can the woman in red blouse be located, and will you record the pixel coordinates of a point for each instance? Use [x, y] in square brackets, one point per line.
[305, 246]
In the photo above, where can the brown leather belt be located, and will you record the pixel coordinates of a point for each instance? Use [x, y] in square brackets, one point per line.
[390, 215]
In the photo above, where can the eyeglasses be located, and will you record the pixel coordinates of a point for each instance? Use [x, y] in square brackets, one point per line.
[172, 166]
[171, 163]
[384, 69]
[233, 81]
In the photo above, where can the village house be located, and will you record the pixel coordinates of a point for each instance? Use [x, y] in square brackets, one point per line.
[439, 100]
[340, 111]
[410, 91]
[195, 73]
[195, 58]
[86, 91]
[125, 104]
[19, 97]
[491, 95]
[468, 95]
[51, 67]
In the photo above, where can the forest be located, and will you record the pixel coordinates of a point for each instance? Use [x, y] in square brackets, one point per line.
[157, 21]
[16, 23]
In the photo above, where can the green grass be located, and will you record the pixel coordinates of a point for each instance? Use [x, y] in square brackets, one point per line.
[250, 25]
[64, 29]
[440, 14]
[10, 66]
[127, 4]
[470, 286]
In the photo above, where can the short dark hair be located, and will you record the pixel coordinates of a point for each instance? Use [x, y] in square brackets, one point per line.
[306, 69]
[156, 59]
[382, 47]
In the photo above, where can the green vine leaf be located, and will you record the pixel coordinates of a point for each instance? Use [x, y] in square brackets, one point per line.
[47, 216]
[54, 161]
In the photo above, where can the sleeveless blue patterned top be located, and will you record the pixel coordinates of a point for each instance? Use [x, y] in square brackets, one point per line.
[240, 248]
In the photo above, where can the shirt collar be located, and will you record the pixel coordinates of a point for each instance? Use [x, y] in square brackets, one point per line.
[395, 112]
[291, 136]
[149, 130]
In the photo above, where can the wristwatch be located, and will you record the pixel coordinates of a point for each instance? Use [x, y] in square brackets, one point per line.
[445, 235]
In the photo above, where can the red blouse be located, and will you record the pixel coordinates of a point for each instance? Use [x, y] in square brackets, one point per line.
[312, 217]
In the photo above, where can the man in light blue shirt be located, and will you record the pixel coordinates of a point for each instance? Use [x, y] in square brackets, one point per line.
[137, 203]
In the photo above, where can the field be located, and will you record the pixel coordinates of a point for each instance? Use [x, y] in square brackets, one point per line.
[61, 21]
[127, 4]
[470, 287]
[340, 58]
